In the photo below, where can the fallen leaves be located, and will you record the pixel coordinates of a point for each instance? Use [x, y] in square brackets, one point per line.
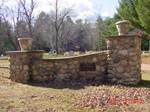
[108, 98]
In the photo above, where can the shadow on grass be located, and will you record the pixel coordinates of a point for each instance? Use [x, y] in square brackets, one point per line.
[74, 85]
[143, 83]
[77, 85]
[81, 84]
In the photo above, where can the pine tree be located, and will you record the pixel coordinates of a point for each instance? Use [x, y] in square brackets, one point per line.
[136, 11]
[143, 11]
[101, 41]
[110, 27]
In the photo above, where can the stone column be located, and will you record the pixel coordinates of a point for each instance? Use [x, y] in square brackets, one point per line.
[20, 64]
[124, 59]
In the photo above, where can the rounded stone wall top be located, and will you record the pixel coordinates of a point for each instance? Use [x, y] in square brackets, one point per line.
[25, 38]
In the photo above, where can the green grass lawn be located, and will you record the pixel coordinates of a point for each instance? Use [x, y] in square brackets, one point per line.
[146, 77]
[47, 55]
[145, 81]
[146, 52]
[4, 63]
[17, 97]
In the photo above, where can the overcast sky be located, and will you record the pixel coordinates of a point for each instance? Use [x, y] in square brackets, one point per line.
[85, 9]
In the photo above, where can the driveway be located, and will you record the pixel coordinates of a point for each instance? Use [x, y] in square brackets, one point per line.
[146, 67]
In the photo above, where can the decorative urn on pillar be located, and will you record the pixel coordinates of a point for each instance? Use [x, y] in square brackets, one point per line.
[25, 43]
[123, 27]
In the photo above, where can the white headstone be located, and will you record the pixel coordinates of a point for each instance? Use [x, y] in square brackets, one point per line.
[71, 53]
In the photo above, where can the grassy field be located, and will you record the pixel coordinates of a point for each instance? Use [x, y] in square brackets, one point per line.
[34, 97]
[74, 97]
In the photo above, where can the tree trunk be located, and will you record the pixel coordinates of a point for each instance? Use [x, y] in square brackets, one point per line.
[56, 41]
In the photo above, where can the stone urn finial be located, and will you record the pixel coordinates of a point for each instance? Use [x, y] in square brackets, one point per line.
[25, 43]
[123, 27]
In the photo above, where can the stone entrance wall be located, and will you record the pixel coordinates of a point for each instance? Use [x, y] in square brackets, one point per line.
[121, 65]
[27, 66]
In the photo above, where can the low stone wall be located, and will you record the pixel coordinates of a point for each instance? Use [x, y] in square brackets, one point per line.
[27, 66]
[70, 68]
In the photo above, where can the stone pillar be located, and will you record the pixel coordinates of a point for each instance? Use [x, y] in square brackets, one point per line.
[124, 59]
[20, 64]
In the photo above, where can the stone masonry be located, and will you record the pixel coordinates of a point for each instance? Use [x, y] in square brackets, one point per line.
[29, 66]
[20, 64]
[124, 59]
[121, 64]
[69, 68]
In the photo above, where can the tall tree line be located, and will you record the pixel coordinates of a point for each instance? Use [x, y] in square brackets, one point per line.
[53, 30]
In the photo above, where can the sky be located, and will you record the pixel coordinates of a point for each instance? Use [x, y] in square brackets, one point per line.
[90, 9]
[84, 9]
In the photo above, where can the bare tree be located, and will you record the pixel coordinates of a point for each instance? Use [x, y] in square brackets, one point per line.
[27, 11]
[18, 20]
[7, 28]
[58, 15]
[67, 31]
